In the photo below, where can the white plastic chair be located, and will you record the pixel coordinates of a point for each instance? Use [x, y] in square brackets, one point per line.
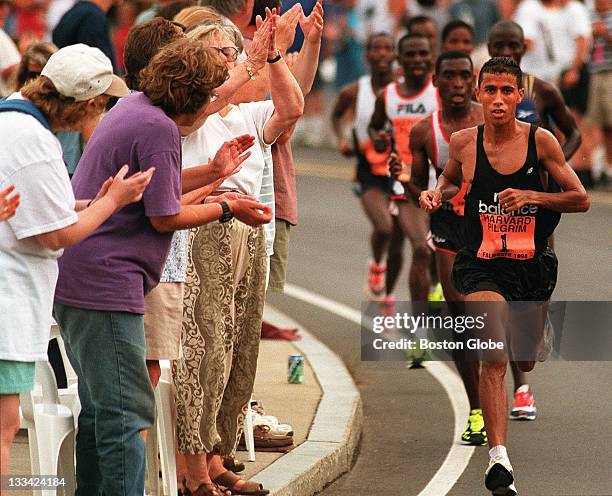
[249, 440]
[51, 431]
[161, 439]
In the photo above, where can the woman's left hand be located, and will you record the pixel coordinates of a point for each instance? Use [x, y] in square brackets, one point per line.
[229, 157]
[8, 205]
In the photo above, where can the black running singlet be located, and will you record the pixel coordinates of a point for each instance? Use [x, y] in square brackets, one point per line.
[490, 231]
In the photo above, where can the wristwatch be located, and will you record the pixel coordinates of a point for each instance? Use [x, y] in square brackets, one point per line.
[275, 59]
[227, 214]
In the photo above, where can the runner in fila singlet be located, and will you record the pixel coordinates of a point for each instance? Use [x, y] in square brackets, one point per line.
[506, 164]
[454, 78]
[403, 104]
[372, 169]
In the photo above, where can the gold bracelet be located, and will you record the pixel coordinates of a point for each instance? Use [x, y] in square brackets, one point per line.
[249, 70]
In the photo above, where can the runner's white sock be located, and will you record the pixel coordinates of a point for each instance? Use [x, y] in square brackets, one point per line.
[523, 389]
[498, 450]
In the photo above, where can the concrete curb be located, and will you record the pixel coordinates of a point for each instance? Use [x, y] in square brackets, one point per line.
[328, 451]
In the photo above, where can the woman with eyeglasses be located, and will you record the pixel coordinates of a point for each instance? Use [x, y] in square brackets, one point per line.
[226, 278]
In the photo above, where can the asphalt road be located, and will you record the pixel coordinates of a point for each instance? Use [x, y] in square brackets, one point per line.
[409, 422]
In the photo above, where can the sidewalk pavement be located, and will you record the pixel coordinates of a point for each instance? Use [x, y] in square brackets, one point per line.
[324, 411]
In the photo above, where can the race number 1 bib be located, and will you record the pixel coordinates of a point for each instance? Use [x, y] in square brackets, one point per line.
[507, 236]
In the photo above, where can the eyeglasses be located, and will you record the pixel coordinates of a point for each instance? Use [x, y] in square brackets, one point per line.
[182, 27]
[229, 52]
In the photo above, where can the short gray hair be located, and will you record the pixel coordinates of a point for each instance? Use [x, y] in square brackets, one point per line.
[224, 28]
[225, 7]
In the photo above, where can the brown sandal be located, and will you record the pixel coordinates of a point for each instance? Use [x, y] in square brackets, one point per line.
[206, 489]
[240, 486]
[233, 464]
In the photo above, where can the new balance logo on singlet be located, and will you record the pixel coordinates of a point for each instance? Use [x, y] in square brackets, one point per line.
[410, 108]
[497, 209]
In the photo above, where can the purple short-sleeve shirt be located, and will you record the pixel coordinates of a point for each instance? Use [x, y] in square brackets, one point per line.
[122, 260]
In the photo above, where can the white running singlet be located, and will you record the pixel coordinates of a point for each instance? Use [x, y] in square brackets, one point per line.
[441, 141]
[364, 108]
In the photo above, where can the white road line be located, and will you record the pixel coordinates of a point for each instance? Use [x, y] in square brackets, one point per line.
[458, 457]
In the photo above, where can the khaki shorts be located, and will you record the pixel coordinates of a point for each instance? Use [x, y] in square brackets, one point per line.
[599, 109]
[163, 321]
[278, 261]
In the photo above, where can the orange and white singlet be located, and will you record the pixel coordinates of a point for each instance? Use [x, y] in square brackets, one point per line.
[405, 112]
[364, 108]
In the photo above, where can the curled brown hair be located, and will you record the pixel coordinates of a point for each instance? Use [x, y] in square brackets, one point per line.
[62, 112]
[143, 42]
[182, 76]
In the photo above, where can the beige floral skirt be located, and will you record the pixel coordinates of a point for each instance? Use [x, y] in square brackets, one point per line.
[222, 313]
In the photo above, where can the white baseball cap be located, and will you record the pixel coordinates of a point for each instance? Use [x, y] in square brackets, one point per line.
[83, 72]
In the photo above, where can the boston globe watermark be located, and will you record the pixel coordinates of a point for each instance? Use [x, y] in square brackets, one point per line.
[410, 324]
[493, 331]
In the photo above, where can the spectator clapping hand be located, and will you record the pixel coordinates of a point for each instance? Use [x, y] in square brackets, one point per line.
[8, 205]
[258, 51]
[250, 212]
[124, 191]
[312, 25]
[229, 158]
[286, 26]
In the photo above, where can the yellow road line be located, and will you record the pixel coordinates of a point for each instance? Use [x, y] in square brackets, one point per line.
[317, 170]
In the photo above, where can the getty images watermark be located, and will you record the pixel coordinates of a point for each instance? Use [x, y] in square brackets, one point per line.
[518, 331]
[409, 324]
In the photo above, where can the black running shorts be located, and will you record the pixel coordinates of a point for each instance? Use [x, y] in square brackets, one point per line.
[515, 280]
[447, 231]
[368, 180]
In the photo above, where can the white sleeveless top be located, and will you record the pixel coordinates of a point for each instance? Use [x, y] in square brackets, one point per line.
[364, 108]
[441, 142]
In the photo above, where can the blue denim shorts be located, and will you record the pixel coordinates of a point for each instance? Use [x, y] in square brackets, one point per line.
[16, 377]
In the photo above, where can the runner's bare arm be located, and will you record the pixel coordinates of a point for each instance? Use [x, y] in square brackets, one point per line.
[377, 124]
[346, 100]
[418, 149]
[561, 116]
[449, 182]
[419, 174]
[572, 198]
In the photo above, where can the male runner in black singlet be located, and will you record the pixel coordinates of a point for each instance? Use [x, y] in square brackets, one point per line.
[506, 196]
[542, 104]
[429, 138]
